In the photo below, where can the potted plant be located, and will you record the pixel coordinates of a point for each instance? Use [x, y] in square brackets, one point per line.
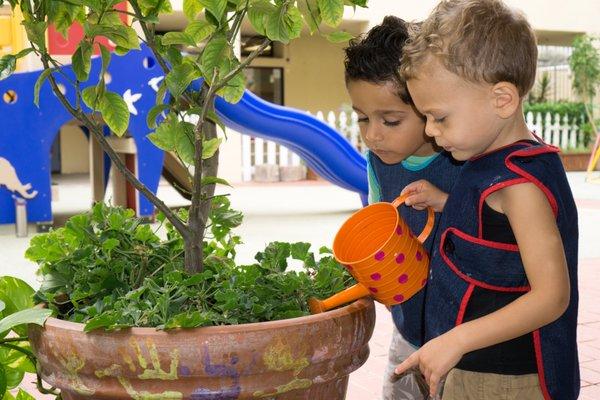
[131, 310]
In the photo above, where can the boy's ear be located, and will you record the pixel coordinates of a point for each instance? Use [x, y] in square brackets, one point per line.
[505, 99]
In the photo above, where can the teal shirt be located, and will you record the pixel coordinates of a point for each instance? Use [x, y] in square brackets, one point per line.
[412, 163]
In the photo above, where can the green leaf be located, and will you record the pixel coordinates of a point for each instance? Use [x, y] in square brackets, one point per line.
[339, 37]
[36, 32]
[115, 112]
[184, 145]
[216, 7]
[64, 15]
[38, 85]
[13, 377]
[258, 11]
[332, 11]
[29, 316]
[105, 60]
[2, 306]
[180, 78]
[123, 36]
[199, 30]
[24, 52]
[23, 395]
[191, 8]
[284, 26]
[16, 294]
[82, 62]
[2, 379]
[299, 250]
[310, 12]
[8, 64]
[210, 147]
[216, 50]
[153, 113]
[171, 38]
[101, 321]
[91, 98]
[234, 88]
[164, 136]
[213, 180]
[8, 396]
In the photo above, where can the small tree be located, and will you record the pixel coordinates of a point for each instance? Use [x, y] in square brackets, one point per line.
[212, 28]
[585, 69]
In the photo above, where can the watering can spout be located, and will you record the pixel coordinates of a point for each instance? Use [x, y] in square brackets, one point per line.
[345, 296]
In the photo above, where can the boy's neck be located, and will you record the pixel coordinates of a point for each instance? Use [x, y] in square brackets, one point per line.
[513, 130]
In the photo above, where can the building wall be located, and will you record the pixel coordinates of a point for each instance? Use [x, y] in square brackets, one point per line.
[75, 158]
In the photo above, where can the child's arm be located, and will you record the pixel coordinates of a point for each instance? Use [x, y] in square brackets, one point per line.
[541, 249]
[425, 195]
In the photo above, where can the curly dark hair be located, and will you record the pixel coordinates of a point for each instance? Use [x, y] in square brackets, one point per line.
[375, 56]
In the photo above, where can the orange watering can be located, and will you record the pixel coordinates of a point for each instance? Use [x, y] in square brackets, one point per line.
[382, 254]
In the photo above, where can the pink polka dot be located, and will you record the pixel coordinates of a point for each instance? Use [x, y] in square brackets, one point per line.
[419, 256]
[399, 230]
[376, 276]
[399, 258]
[403, 278]
[373, 290]
[380, 256]
[424, 282]
[399, 298]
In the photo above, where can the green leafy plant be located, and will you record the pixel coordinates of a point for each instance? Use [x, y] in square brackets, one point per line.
[108, 270]
[585, 73]
[540, 93]
[16, 357]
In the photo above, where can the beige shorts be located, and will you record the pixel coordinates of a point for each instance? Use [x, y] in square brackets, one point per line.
[467, 385]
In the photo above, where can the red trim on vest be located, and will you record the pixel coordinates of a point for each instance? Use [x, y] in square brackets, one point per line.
[463, 304]
[524, 141]
[491, 190]
[537, 344]
[470, 280]
[519, 171]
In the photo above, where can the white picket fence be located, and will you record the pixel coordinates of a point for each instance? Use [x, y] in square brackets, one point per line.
[553, 129]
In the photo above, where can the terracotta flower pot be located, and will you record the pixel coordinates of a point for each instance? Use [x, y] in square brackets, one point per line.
[301, 358]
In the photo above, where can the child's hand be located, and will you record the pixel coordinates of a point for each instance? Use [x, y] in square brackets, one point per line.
[424, 195]
[435, 359]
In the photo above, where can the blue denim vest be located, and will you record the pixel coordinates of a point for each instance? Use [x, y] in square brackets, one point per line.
[464, 260]
[392, 178]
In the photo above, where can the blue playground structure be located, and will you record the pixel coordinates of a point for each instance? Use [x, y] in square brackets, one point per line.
[27, 133]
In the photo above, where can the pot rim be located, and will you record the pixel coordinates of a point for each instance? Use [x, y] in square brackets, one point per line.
[354, 307]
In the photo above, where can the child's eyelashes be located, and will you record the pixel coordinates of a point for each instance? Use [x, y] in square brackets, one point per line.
[391, 123]
[439, 120]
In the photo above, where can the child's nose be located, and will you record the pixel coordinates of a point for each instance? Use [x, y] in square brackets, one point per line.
[431, 130]
[373, 134]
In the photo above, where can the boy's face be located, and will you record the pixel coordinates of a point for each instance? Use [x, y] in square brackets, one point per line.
[389, 127]
[460, 114]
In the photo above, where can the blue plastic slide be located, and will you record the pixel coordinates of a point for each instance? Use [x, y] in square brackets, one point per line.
[322, 147]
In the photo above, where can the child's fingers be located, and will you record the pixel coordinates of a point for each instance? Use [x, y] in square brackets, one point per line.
[411, 361]
[417, 199]
[434, 381]
[412, 187]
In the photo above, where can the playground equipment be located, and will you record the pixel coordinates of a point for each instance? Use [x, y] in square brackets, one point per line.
[382, 254]
[28, 132]
[594, 157]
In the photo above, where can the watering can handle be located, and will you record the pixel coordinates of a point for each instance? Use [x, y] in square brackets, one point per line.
[430, 217]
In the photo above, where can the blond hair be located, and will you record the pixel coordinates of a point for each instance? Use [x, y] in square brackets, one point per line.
[479, 40]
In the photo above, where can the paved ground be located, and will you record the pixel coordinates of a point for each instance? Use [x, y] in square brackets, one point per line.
[312, 212]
